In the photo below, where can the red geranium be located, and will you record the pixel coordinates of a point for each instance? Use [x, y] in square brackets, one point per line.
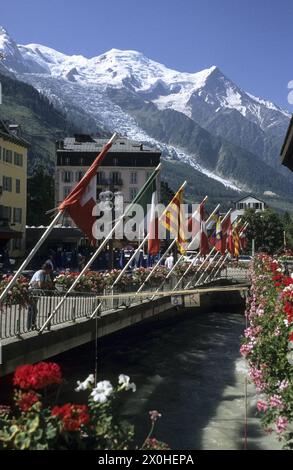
[72, 416]
[288, 308]
[27, 400]
[37, 376]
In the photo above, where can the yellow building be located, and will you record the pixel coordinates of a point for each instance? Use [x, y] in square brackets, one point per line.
[13, 190]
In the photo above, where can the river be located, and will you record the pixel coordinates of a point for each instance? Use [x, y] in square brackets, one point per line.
[190, 370]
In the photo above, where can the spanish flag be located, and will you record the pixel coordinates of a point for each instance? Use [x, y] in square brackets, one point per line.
[236, 240]
[173, 219]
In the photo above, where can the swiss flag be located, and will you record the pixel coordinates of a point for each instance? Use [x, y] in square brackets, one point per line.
[82, 199]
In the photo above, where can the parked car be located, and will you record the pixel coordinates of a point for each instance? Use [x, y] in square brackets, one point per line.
[244, 259]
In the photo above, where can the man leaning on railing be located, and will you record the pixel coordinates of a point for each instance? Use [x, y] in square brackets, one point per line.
[41, 280]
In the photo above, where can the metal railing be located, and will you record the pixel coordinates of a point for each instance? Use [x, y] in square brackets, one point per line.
[16, 320]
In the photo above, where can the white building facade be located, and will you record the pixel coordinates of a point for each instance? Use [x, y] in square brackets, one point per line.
[125, 168]
[248, 202]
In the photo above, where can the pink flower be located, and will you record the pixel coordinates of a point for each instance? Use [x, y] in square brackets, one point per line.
[262, 406]
[276, 402]
[281, 424]
[246, 349]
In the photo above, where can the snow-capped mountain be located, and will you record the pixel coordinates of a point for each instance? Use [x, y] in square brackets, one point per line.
[220, 129]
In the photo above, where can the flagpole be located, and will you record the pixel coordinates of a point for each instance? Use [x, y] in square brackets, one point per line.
[155, 266]
[164, 254]
[198, 254]
[130, 261]
[207, 267]
[100, 248]
[140, 246]
[38, 245]
[219, 268]
[223, 257]
[216, 265]
[31, 255]
[223, 220]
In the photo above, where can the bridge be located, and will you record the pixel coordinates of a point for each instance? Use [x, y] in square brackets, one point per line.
[83, 317]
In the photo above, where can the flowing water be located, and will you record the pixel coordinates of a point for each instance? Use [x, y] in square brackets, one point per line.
[190, 370]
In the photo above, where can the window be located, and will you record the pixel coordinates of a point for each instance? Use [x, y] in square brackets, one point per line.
[133, 177]
[7, 156]
[7, 183]
[17, 215]
[66, 190]
[5, 214]
[67, 176]
[132, 193]
[115, 177]
[79, 175]
[17, 186]
[67, 161]
[18, 159]
[101, 177]
[115, 161]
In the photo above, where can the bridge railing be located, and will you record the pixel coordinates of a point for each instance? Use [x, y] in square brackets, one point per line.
[18, 319]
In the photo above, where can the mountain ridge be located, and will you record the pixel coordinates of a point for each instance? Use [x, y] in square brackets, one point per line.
[230, 124]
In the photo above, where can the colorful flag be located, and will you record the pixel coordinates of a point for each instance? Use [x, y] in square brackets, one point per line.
[153, 240]
[242, 238]
[173, 219]
[81, 200]
[214, 222]
[204, 240]
[219, 241]
[230, 240]
[236, 242]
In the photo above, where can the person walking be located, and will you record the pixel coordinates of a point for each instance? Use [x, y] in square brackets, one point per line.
[41, 280]
[169, 263]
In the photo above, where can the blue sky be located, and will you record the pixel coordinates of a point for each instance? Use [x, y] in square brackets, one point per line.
[249, 40]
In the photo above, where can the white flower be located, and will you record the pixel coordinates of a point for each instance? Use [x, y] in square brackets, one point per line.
[85, 384]
[124, 380]
[102, 391]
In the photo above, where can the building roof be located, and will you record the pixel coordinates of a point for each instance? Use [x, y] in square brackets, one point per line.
[247, 196]
[9, 133]
[287, 148]
[83, 143]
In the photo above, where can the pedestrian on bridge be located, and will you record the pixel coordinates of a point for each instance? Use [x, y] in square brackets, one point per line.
[41, 280]
[169, 263]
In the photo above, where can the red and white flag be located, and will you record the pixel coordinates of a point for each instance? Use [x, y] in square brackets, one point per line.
[204, 239]
[230, 238]
[81, 200]
[153, 240]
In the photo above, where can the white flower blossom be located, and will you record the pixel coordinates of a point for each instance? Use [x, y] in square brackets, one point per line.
[102, 391]
[124, 380]
[81, 386]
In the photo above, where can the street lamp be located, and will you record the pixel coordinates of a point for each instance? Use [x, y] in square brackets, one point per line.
[108, 199]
